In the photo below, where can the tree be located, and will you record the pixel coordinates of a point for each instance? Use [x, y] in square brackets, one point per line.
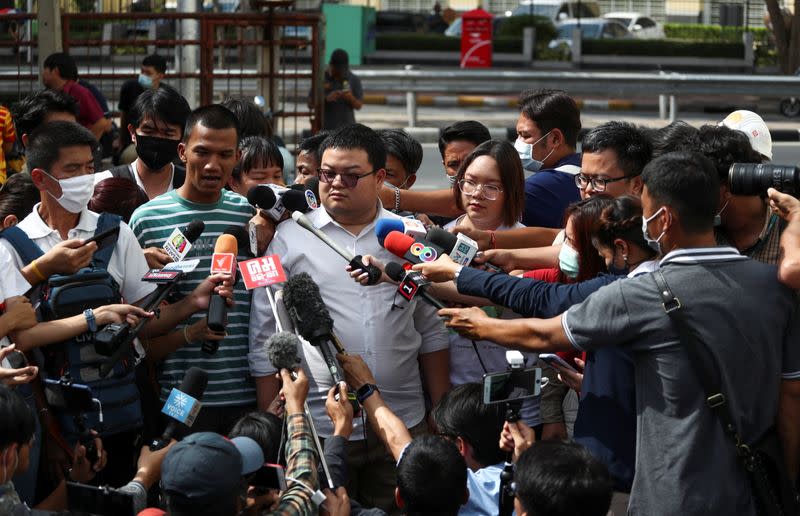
[786, 30]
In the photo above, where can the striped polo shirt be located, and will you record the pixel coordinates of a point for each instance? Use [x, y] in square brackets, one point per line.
[229, 381]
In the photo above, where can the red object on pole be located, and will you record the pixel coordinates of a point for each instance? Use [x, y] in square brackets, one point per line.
[476, 39]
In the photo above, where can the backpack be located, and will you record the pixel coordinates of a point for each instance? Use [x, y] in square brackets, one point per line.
[124, 171]
[68, 295]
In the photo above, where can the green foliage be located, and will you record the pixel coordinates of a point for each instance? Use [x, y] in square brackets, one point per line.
[712, 33]
[514, 25]
[661, 47]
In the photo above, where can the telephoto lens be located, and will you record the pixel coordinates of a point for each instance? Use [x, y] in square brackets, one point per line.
[756, 178]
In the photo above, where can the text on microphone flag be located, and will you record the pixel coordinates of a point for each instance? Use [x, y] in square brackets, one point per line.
[262, 272]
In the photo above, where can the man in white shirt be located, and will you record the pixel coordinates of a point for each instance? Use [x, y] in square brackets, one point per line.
[397, 343]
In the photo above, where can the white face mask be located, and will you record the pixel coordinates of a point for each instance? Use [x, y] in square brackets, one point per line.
[75, 192]
[530, 164]
[451, 179]
[654, 243]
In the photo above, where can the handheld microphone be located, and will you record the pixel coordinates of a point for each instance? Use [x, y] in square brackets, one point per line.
[282, 350]
[463, 248]
[410, 249]
[276, 200]
[180, 243]
[372, 271]
[313, 185]
[410, 227]
[412, 283]
[183, 405]
[222, 261]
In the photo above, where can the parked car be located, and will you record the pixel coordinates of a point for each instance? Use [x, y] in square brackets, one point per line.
[591, 28]
[454, 30]
[641, 26]
[558, 10]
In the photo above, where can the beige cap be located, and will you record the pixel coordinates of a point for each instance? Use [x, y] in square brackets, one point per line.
[754, 127]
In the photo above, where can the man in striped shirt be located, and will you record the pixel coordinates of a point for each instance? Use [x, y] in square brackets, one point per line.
[209, 150]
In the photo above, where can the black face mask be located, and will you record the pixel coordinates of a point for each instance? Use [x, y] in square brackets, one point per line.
[156, 152]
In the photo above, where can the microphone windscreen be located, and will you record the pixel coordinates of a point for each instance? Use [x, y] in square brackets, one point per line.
[306, 307]
[397, 243]
[395, 271]
[241, 235]
[313, 185]
[282, 350]
[385, 226]
[443, 238]
[262, 196]
[226, 243]
[194, 382]
[297, 200]
[193, 230]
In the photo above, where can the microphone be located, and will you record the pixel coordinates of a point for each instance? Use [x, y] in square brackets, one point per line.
[410, 227]
[411, 284]
[410, 249]
[180, 243]
[463, 249]
[282, 350]
[222, 261]
[183, 405]
[313, 185]
[372, 271]
[276, 200]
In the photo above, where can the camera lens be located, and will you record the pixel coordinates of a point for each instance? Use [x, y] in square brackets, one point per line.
[756, 178]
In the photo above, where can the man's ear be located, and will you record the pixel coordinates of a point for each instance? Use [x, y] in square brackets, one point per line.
[637, 184]
[556, 136]
[45, 183]
[132, 132]
[182, 151]
[380, 176]
[410, 180]
[25, 140]
[10, 220]
[398, 499]
[463, 447]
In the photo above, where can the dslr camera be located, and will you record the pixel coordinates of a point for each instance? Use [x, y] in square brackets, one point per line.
[756, 178]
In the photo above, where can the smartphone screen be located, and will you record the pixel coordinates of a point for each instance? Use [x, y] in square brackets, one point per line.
[508, 386]
[74, 398]
[269, 476]
[15, 360]
[104, 239]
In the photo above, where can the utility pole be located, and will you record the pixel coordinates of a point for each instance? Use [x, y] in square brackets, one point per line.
[49, 18]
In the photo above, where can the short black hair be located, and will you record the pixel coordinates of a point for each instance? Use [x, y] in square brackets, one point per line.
[66, 66]
[404, 147]
[156, 61]
[262, 427]
[675, 136]
[432, 476]
[312, 144]
[462, 413]
[18, 196]
[552, 109]
[213, 116]
[561, 478]
[30, 112]
[631, 146]
[163, 104]
[252, 121]
[724, 147]
[19, 422]
[46, 142]
[256, 150]
[688, 183]
[357, 136]
[468, 130]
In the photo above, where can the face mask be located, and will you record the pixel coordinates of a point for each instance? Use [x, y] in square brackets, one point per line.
[568, 261]
[75, 192]
[451, 179]
[655, 245]
[718, 216]
[145, 81]
[525, 150]
[156, 152]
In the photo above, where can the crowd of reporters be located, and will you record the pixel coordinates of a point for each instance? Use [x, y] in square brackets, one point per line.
[570, 229]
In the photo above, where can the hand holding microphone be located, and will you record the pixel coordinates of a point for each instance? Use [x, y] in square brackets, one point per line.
[361, 276]
[441, 270]
[183, 405]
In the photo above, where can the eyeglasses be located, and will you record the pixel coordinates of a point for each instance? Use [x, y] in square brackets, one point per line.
[598, 183]
[490, 192]
[328, 175]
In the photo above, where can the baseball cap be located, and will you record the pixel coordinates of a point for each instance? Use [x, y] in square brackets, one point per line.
[206, 467]
[754, 127]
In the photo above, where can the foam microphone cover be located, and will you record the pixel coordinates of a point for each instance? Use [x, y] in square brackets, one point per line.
[194, 382]
[385, 226]
[193, 230]
[443, 238]
[395, 271]
[262, 196]
[282, 350]
[295, 200]
[313, 185]
[306, 307]
[226, 243]
[398, 243]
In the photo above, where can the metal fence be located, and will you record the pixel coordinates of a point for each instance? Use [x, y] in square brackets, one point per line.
[212, 56]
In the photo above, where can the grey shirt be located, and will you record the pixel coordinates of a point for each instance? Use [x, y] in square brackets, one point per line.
[685, 463]
[339, 112]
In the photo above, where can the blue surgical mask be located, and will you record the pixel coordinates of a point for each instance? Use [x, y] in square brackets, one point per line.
[568, 261]
[618, 271]
[655, 244]
[145, 81]
[530, 164]
[451, 179]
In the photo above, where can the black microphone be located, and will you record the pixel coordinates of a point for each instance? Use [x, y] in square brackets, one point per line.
[222, 261]
[181, 409]
[412, 283]
[462, 248]
[180, 242]
[313, 185]
[282, 350]
[276, 200]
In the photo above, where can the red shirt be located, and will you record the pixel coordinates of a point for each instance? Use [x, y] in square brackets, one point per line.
[89, 111]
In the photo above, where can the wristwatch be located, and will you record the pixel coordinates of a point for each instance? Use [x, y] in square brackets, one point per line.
[457, 274]
[365, 391]
[90, 320]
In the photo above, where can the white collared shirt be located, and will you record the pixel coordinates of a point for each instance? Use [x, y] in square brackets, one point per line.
[390, 341]
[127, 265]
[11, 282]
